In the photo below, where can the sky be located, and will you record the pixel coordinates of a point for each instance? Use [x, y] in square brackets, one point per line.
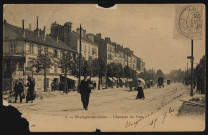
[146, 29]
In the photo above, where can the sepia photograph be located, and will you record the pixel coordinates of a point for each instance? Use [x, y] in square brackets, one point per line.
[86, 68]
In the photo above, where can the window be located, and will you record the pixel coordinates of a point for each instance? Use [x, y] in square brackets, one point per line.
[55, 53]
[55, 69]
[5, 66]
[94, 52]
[113, 49]
[30, 62]
[62, 54]
[85, 49]
[74, 56]
[46, 49]
[20, 66]
[13, 48]
[31, 48]
[39, 49]
[89, 50]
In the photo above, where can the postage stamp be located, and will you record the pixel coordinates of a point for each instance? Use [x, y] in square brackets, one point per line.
[189, 21]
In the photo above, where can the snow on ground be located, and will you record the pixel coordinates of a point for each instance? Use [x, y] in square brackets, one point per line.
[111, 110]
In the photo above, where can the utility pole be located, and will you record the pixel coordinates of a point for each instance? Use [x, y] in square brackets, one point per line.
[187, 74]
[80, 54]
[192, 61]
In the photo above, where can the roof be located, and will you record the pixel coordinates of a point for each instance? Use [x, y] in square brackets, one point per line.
[32, 37]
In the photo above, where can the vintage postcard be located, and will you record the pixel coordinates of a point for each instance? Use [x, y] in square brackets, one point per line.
[82, 67]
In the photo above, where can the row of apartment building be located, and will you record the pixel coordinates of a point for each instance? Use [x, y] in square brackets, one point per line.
[21, 45]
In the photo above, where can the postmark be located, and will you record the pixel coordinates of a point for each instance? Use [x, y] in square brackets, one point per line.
[190, 22]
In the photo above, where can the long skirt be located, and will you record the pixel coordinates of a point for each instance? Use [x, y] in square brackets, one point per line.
[140, 93]
[30, 95]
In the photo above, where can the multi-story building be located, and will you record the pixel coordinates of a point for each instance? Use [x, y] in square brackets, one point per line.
[140, 66]
[134, 62]
[72, 38]
[119, 55]
[20, 48]
[88, 47]
[128, 57]
[110, 50]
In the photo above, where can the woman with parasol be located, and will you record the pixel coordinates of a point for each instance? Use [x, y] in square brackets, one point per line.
[140, 94]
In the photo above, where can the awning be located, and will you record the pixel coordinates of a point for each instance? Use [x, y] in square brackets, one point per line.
[122, 79]
[71, 77]
[138, 72]
[114, 78]
[94, 78]
[129, 80]
[111, 79]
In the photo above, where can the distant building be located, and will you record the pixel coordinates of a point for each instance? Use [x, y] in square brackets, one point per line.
[119, 54]
[21, 47]
[72, 39]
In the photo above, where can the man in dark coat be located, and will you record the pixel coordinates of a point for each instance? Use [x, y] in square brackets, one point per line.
[20, 90]
[85, 90]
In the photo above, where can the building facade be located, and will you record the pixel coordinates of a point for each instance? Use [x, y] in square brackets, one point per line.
[20, 49]
[72, 39]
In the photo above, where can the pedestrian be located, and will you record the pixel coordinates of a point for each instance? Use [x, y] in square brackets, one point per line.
[94, 84]
[53, 86]
[85, 90]
[140, 94]
[16, 91]
[30, 93]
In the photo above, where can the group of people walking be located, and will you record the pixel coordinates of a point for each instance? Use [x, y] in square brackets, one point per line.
[19, 90]
[85, 89]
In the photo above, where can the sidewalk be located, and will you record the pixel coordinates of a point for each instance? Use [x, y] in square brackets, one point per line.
[193, 106]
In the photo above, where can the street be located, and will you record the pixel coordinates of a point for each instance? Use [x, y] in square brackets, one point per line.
[115, 109]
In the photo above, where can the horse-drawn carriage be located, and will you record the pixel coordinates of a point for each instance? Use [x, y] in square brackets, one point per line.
[160, 82]
[132, 83]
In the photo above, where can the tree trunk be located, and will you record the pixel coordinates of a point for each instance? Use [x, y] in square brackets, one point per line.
[45, 89]
[117, 82]
[106, 83]
[99, 83]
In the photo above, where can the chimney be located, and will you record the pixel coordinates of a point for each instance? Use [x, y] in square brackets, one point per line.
[44, 33]
[98, 35]
[107, 39]
[23, 28]
[37, 23]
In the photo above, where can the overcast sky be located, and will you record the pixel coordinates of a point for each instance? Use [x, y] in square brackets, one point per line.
[128, 25]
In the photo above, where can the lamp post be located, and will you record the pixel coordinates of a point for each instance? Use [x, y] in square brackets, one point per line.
[80, 54]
